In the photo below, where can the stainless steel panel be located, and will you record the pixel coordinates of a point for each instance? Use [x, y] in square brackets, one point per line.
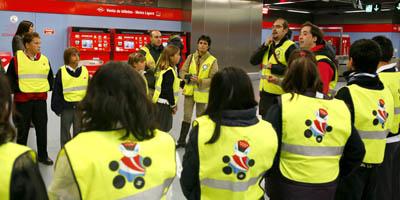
[234, 27]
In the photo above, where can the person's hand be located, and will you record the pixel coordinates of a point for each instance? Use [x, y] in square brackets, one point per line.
[268, 40]
[273, 79]
[194, 79]
[174, 110]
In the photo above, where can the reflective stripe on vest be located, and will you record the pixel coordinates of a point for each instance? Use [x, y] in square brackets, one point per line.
[151, 193]
[203, 72]
[230, 185]
[391, 80]
[373, 134]
[314, 133]
[108, 167]
[268, 60]
[231, 167]
[312, 150]
[175, 86]
[32, 74]
[333, 82]
[373, 116]
[9, 152]
[74, 88]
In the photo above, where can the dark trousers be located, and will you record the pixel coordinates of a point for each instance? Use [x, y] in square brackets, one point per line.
[68, 117]
[388, 178]
[359, 185]
[35, 111]
[281, 188]
[266, 101]
[164, 117]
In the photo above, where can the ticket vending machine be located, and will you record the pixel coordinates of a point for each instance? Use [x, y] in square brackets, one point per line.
[127, 42]
[94, 45]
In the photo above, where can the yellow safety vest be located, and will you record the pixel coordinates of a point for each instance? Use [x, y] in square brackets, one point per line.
[149, 57]
[74, 88]
[175, 87]
[314, 133]
[108, 167]
[9, 152]
[391, 80]
[373, 117]
[192, 89]
[267, 61]
[333, 82]
[32, 75]
[233, 166]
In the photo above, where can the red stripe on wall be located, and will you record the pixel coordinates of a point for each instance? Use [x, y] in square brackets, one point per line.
[351, 27]
[92, 9]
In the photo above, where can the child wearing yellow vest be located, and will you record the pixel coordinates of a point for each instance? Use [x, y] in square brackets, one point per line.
[19, 172]
[138, 62]
[69, 89]
[119, 154]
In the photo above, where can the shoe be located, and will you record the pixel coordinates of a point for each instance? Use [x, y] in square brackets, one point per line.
[182, 136]
[46, 161]
[180, 146]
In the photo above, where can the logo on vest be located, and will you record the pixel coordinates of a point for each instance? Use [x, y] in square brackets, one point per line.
[238, 163]
[205, 67]
[319, 127]
[381, 114]
[131, 167]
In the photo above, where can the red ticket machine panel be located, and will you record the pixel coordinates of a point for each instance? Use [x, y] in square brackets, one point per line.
[5, 58]
[126, 42]
[93, 44]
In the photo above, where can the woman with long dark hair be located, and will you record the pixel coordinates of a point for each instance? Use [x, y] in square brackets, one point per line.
[20, 176]
[229, 149]
[318, 143]
[24, 26]
[119, 153]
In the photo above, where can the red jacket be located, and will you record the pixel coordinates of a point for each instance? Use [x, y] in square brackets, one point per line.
[326, 72]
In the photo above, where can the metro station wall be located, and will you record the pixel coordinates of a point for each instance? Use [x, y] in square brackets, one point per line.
[53, 45]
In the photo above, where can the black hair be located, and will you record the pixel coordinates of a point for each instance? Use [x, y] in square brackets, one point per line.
[315, 32]
[230, 89]
[205, 38]
[7, 132]
[116, 98]
[23, 27]
[365, 54]
[386, 47]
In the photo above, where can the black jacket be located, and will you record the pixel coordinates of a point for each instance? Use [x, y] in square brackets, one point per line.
[58, 103]
[258, 55]
[190, 183]
[167, 87]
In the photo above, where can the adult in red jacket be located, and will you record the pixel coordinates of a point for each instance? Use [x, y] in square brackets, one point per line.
[311, 38]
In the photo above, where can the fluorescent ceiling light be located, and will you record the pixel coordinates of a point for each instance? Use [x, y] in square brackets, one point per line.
[281, 3]
[354, 11]
[298, 11]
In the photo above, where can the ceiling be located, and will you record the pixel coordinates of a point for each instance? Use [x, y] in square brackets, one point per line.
[325, 6]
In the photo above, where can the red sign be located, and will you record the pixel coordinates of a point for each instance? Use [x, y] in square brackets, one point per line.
[5, 58]
[93, 9]
[49, 31]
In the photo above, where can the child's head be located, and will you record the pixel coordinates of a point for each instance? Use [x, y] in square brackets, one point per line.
[302, 73]
[137, 61]
[7, 132]
[116, 98]
[169, 57]
[71, 56]
[364, 56]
